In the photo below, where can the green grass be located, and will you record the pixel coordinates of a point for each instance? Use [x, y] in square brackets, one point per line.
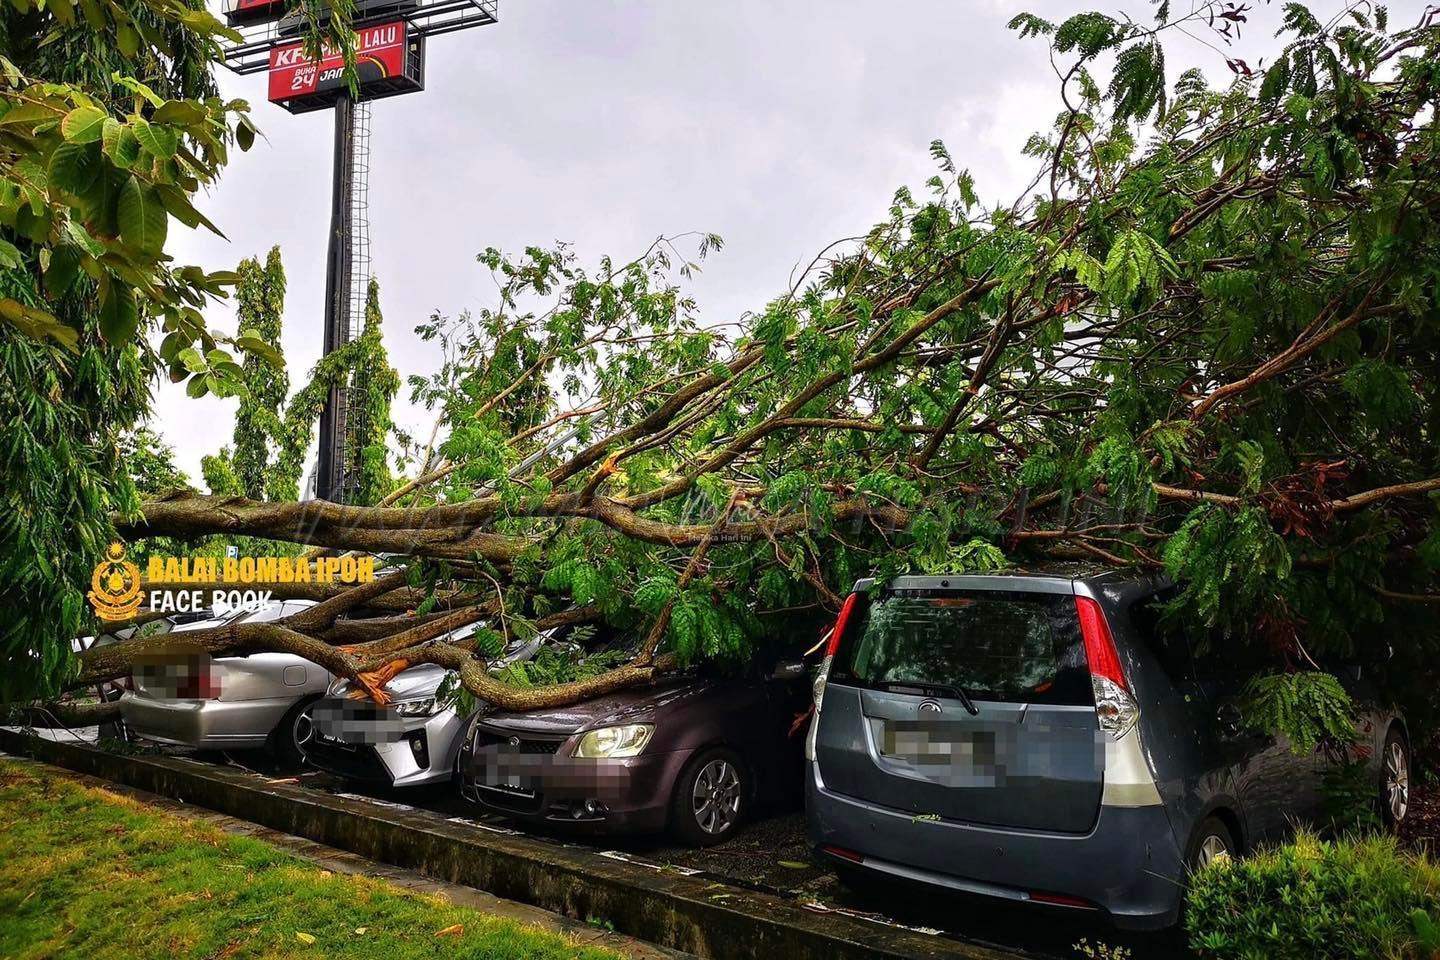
[87, 873]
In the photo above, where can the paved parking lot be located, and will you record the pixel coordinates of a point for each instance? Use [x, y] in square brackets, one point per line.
[771, 854]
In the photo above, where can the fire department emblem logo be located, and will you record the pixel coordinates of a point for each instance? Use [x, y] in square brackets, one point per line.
[115, 586]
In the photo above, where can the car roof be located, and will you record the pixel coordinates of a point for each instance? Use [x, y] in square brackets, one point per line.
[1040, 578]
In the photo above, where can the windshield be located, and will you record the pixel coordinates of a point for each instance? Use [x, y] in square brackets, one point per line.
[990, 645]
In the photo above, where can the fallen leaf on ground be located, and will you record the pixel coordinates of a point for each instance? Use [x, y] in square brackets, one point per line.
[360, 931]
[454, 930]
[305, 938]
[794, 865]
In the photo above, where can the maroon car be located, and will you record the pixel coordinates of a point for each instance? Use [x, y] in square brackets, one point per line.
[692, 754]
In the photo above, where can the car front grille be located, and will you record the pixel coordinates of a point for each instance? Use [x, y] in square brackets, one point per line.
[357, 763]
[519, 801]
[489, 738]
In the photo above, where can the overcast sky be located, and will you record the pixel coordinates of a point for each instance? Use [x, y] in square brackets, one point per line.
[782, 126]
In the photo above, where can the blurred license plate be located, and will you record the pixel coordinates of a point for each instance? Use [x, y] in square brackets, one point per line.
[923, 743]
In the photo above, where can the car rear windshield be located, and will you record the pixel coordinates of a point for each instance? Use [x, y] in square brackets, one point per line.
[1006, 646]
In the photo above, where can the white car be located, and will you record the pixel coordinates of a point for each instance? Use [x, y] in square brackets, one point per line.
[229, 703]
[413, 741]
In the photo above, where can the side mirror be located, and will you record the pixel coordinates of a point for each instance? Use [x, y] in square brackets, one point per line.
[789, 670]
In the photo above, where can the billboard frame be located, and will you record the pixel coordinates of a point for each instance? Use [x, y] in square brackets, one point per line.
[427, 18]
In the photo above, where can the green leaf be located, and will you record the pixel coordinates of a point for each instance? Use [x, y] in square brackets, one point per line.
[183, 112]
[9, 254]
[64, 267]
[94, 16]
[196, 388]
[124, 151]
[261, 349]
[84, 124]
[192, 360]
[127, 40]
[161, 141]
[74, 168]
[245, 133]
[109, 132]
[142, 217]
[119, 314]
[38, 324]
[178, 206]
[27, 113]
[136, 87]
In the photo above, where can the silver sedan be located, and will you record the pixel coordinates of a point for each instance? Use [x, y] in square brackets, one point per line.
[238, 702]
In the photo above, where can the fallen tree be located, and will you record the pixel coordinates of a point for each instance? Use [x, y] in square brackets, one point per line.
[1205, 340]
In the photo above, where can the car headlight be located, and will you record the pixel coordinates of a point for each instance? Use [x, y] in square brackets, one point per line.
[417, 708]
[609, 743]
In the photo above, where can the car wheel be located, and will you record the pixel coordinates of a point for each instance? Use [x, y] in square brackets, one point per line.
[293, 734]
[1211, 841]
[710, 798]
[1394, 779]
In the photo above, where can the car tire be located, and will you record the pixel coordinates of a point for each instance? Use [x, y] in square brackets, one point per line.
[711, 797]
[1210, 840]
[1394, 779]
[291, 734]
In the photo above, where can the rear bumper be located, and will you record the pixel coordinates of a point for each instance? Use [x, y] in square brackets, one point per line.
[205, 724]
[630, 796]
[1128, 865]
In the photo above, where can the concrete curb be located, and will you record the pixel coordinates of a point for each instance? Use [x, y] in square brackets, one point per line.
[690, 914]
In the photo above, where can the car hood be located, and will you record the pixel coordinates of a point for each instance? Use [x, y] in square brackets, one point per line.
[644, 704]
[413, 684]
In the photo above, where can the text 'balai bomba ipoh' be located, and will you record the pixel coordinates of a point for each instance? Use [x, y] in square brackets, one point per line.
[268, 569]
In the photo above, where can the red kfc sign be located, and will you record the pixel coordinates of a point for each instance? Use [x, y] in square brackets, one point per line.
[253, 11]
[379, 53]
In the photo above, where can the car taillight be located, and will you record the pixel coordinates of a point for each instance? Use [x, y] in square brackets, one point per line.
[818, 690]
[846, 609]
[1115, 704]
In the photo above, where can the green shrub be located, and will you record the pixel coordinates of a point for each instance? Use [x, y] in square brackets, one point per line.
[1315, 899]
[1347, 794]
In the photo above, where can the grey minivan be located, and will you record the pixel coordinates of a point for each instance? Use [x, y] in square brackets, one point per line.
[1039, 737]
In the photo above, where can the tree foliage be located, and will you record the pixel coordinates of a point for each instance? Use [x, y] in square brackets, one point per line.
[1204, 341]
[260, 308]
[373, 385]
[110, 124]
[273, 435]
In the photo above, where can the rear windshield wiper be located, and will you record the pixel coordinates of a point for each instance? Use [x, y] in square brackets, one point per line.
[941, 689]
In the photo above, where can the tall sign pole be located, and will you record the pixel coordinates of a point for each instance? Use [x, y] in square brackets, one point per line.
[389, 60]
[329, 474]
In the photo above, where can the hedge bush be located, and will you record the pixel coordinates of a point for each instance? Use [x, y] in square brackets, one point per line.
[1314, 899]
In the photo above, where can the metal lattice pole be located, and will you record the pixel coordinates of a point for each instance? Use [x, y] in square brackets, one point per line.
[359, 290]
[330, 468]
